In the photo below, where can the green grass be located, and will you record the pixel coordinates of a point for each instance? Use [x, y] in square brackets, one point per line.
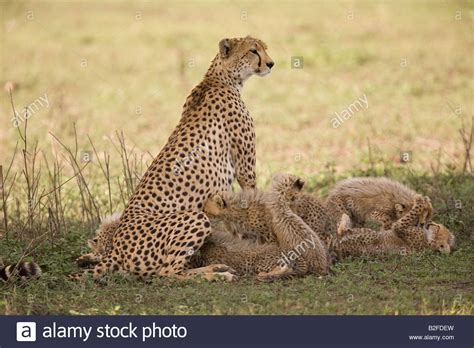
[128, 66]
[415, 284]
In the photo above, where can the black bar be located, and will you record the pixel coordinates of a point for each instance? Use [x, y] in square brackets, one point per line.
[246, 331]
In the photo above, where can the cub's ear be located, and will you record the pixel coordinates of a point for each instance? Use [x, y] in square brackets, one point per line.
[225, 47]
[214, 205]
[299, 183]
[452, 240]
[399, 207]
[92, 243]
[218, 201]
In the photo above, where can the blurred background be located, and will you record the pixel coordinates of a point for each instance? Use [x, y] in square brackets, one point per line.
[128, 66]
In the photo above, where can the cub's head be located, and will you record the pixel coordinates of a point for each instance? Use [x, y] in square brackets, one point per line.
[215, 205]
[231, 204]
[242, 213]
[105, 233]
[243, 57]
[287, 186]
[95, 246]
[439, 237]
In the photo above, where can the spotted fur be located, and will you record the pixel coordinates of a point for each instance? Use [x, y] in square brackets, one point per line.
[246, 214]
[213, 144]
[408, 234]
[101, 244]
[380, 200]
[289, 247]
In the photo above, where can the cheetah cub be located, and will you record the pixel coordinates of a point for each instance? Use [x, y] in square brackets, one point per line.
[290, 246]
[315, 214]
[409, 233]
[247, 258]
[291, 232]
[102, 241]
[243, 214]
[379, 200]
[246, 214]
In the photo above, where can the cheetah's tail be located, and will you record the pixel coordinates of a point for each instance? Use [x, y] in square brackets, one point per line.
[23, 270]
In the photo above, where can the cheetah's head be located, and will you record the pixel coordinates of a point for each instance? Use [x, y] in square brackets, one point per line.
[231, 204]
[287, 186]
[439, 237]
[244, 57]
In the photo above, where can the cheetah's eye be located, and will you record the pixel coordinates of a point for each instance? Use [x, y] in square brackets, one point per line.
[254, 51]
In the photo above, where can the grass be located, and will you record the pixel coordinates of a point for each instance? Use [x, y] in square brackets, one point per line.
[414, 284]
[127, 67]
[136, 74]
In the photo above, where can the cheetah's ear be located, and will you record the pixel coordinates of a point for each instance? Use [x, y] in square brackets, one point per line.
[299, 183]
[92, 243]
[452, 241]
[430, 235]
[399, 207]
[225, 46]
[219, 201]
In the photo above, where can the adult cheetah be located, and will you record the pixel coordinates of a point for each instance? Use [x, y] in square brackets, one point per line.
[213, 144]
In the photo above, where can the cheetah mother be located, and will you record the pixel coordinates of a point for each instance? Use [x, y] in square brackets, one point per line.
[213, 144]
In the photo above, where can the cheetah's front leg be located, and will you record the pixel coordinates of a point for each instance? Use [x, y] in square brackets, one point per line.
[244, 156]
[88, 259]
[413, 218]
[344, 226]
[381, 218]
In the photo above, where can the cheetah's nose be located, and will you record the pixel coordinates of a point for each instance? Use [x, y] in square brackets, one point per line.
[270, 65]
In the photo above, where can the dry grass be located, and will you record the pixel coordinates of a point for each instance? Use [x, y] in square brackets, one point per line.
[133, 75]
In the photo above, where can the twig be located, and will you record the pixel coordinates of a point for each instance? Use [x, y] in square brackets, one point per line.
[4, 206]
[467, 138]
[105, 170]
[371, 161]
[83, 186]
